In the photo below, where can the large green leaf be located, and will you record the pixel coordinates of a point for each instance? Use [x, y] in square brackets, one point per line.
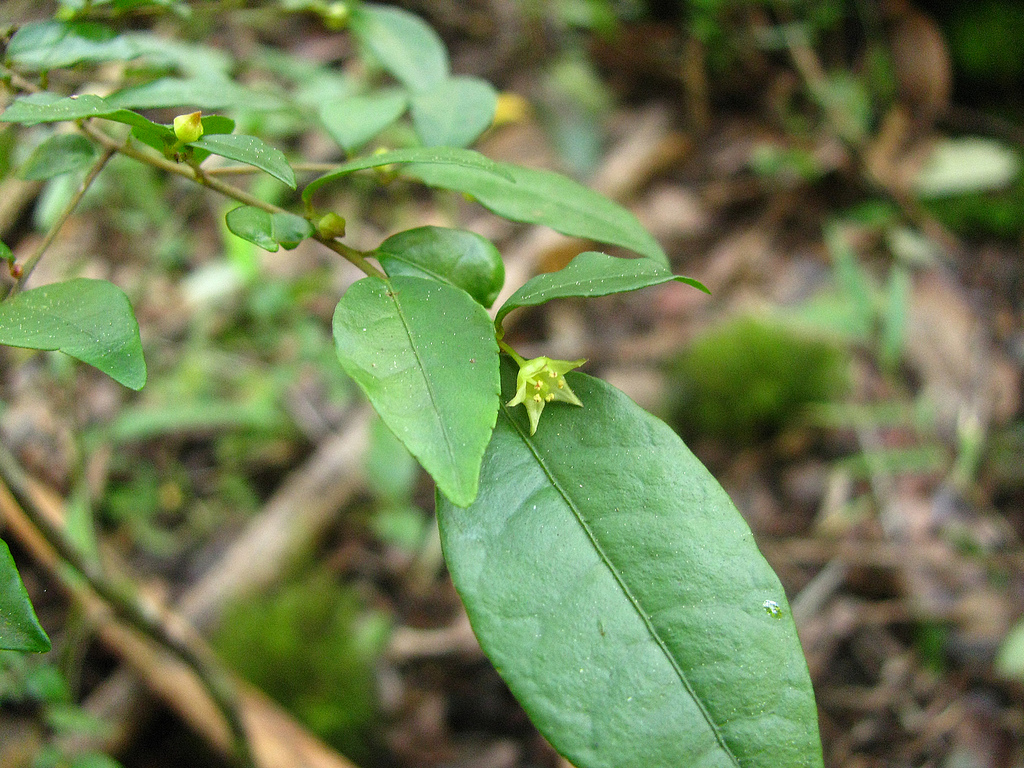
[46, 45]
[355, 120]
[621, 596]
[454, 112]
[463, 259]
[455, 156]
[91, 320]
[404, 44]
[542, 197]
[424, 353]
[592, 274]
[249, 150]
[19, 627]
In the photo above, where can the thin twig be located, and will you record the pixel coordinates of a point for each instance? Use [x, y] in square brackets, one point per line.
[33, 260]
[127, 604]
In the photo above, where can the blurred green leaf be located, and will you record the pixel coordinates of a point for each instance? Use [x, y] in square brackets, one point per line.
[404, 44]
[47, 45]
[454, 112]
[59, 154]
[355, 120]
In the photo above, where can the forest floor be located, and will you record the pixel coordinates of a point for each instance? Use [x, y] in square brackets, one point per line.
[854, 381]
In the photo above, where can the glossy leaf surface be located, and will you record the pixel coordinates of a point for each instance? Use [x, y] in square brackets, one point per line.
[355, 120]
[404, 44]
[454, 156]
[19, 627]
[455, 256]
[592, 274]
[425, 355]
[268, 230]
[249, 150]
[621, 596]
[59, 154]
[454, 112]
[91, 320]
[542, 197]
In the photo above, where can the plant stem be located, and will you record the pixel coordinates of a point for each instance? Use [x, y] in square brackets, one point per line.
[207, 179]
[143, 616]
[33, 260]
[511, 353]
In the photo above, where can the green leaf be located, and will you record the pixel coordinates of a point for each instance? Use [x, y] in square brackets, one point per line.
[455, 256]
[268, 230]
[454, 112]
[621, 596]
[542, 197]
[425, 355]
[249, 150]
[404, 44]
[206, 92]
[59, 154]
[91, 320]
[46, 107]
[5, 252]
[48, 45]
[19, 627]
[462, 158]
[355, 120]
[592, 274]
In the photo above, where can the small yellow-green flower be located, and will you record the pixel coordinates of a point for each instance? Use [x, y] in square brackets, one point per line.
[541, 381]
[188, 128]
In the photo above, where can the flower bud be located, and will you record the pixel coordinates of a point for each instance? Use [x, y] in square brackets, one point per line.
[541, 381]
[335, 16]
[188, 128]
[330, 225]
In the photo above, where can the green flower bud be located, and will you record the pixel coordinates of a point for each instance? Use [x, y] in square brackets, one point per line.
[330, 225]
[335, 16]
[541, 381]
[188, 128]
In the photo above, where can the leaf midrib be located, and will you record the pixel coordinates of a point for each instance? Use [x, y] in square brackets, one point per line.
[449, 448]
[680, 673]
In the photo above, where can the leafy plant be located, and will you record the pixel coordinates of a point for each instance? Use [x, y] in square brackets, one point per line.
[605, 571]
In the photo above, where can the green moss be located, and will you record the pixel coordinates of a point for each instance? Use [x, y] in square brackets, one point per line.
[311, 647]
[746, 379]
